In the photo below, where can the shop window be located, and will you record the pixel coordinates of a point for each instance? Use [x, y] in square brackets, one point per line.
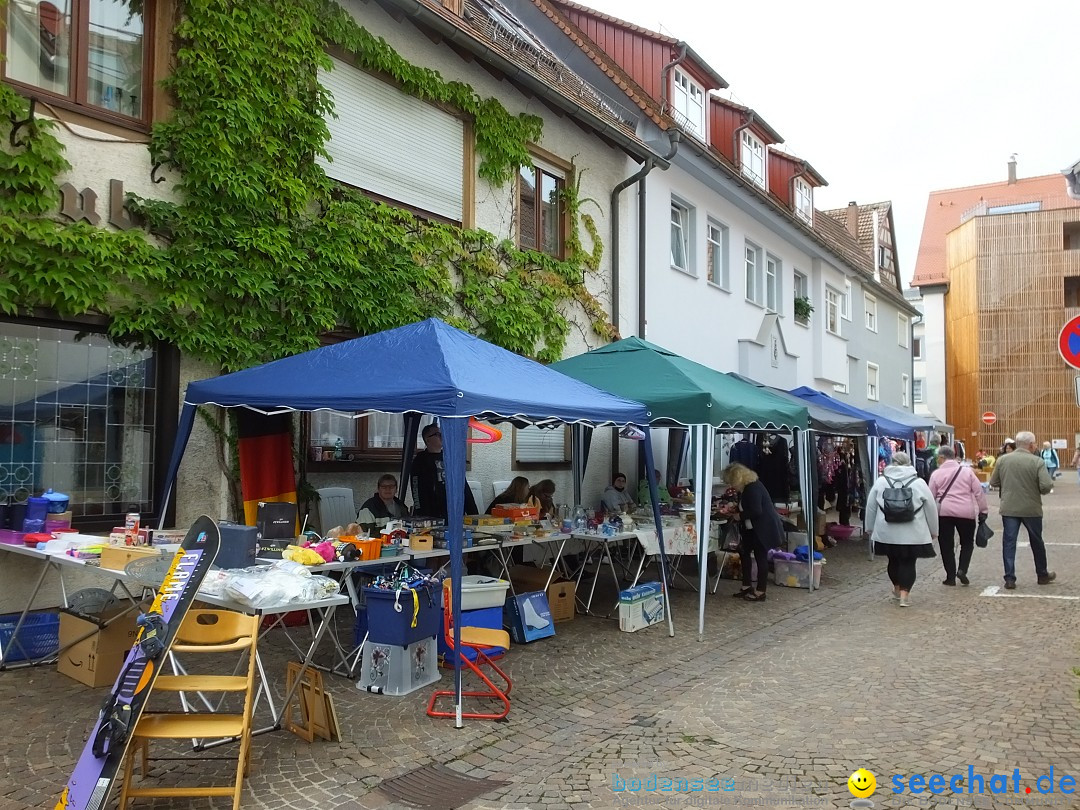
[92, 53]
[540, 209]
[536, 447]
[84, 416]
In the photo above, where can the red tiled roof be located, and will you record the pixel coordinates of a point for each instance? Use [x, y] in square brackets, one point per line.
[946, 209]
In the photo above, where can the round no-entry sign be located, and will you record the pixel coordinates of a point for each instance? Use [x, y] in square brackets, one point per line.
[1069, 342]
[989, 418]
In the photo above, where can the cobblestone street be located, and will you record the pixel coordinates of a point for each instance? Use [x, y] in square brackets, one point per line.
[786, 698]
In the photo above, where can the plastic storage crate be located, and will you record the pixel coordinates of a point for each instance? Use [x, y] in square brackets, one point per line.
[795, 573]
[39, 637]
[482, 592]
[388, 669]
[386, 626]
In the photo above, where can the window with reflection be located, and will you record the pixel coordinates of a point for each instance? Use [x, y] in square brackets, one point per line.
[89, 52]
[540, 210]
[79, 414]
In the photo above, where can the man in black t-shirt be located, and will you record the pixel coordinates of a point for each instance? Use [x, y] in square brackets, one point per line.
[429, 478]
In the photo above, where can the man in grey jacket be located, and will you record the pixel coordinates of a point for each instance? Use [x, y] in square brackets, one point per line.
[1023, 480]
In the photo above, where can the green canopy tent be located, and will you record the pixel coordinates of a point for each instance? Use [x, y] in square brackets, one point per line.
[678, 392]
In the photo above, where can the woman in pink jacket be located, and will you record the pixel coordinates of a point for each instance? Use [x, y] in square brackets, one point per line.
[961, 502]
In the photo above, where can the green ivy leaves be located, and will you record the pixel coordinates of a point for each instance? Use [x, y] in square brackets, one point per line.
[262, 253]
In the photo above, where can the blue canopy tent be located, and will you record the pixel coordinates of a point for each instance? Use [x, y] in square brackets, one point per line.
[427, 367]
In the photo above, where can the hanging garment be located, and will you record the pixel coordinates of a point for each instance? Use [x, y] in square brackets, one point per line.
[773, 467]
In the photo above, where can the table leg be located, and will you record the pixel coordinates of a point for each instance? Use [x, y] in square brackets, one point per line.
[4, 653]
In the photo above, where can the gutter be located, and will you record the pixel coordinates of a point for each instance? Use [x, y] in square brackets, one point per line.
[417, 9]
[647, 166]
[664, 76]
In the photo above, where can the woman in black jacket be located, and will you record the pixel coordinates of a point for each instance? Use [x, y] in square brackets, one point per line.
[759, 527]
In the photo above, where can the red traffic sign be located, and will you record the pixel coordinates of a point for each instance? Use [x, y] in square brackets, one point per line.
[1069, 342]
[989, 418]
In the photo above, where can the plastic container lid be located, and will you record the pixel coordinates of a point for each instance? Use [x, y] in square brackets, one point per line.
[49, 495]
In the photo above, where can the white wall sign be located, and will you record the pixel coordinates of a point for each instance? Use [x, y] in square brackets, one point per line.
[1057, 444]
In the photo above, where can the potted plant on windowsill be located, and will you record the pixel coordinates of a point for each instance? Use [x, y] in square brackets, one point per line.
[803, 308]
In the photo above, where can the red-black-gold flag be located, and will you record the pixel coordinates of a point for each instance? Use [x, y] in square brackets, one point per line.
[264, 444]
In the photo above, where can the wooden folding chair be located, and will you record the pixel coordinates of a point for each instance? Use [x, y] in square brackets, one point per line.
[202, 632]
[478, 639]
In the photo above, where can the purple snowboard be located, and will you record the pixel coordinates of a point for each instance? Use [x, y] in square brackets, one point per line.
[96, 770]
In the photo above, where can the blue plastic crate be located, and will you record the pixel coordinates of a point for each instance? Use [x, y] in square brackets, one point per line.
[387, 626]
[38, 637]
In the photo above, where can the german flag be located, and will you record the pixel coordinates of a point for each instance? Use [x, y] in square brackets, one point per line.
[264, 444]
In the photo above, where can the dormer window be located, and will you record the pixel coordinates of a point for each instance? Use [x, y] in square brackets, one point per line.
[804, 201]
[688, 100]
[753, 158]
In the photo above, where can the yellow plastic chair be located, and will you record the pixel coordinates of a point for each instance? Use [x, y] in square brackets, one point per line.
[203, 631]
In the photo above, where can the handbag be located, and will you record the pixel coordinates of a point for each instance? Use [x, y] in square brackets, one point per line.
[983, 533]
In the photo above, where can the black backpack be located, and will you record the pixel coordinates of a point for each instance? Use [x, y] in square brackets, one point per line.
[897, 501]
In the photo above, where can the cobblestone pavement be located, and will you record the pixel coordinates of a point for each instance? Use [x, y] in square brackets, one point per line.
[786, 698]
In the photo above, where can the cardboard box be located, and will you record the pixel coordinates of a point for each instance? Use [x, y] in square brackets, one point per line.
[116, 557]
[641, 606]
[96, 661]
[561, 593]
[528, 617]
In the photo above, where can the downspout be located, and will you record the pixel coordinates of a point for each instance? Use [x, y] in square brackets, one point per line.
[675, 138]
[664, 76]
[646, 167]
[737, 153]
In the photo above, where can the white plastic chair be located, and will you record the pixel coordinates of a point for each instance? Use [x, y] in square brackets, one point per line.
[336, 507]
[497, 488]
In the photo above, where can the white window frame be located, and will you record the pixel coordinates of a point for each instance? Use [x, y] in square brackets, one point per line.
[845, 301]
[903, 330]
[873, 382]
[540, 446]
[905, 389]
[917, 348]
[718, 253]
[752, 273]
[774, 277]
[918, 386]
[804, 201]
[840, 388]
[688, 99]
[800, 288]
[681, 219]
[832, 310]
[752, 158]
[870, 312]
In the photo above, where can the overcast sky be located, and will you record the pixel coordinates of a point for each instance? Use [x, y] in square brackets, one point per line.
[892, 101]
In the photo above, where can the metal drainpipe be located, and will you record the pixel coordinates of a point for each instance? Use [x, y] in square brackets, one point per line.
[664, 74]
[646, 167]
[675, 138]
[750, 117]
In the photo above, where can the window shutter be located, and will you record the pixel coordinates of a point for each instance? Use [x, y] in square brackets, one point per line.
[538, 445]
[391, 144]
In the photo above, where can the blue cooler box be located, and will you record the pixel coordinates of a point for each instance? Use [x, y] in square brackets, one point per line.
[386, 626]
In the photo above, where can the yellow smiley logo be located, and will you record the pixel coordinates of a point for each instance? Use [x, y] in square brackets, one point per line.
[862, 784]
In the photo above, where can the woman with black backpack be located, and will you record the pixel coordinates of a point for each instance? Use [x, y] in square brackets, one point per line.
[902, 519]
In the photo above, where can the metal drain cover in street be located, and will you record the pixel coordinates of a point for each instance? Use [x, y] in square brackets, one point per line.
[436, 787]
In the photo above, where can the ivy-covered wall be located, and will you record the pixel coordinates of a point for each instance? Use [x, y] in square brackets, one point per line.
[257, 253]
